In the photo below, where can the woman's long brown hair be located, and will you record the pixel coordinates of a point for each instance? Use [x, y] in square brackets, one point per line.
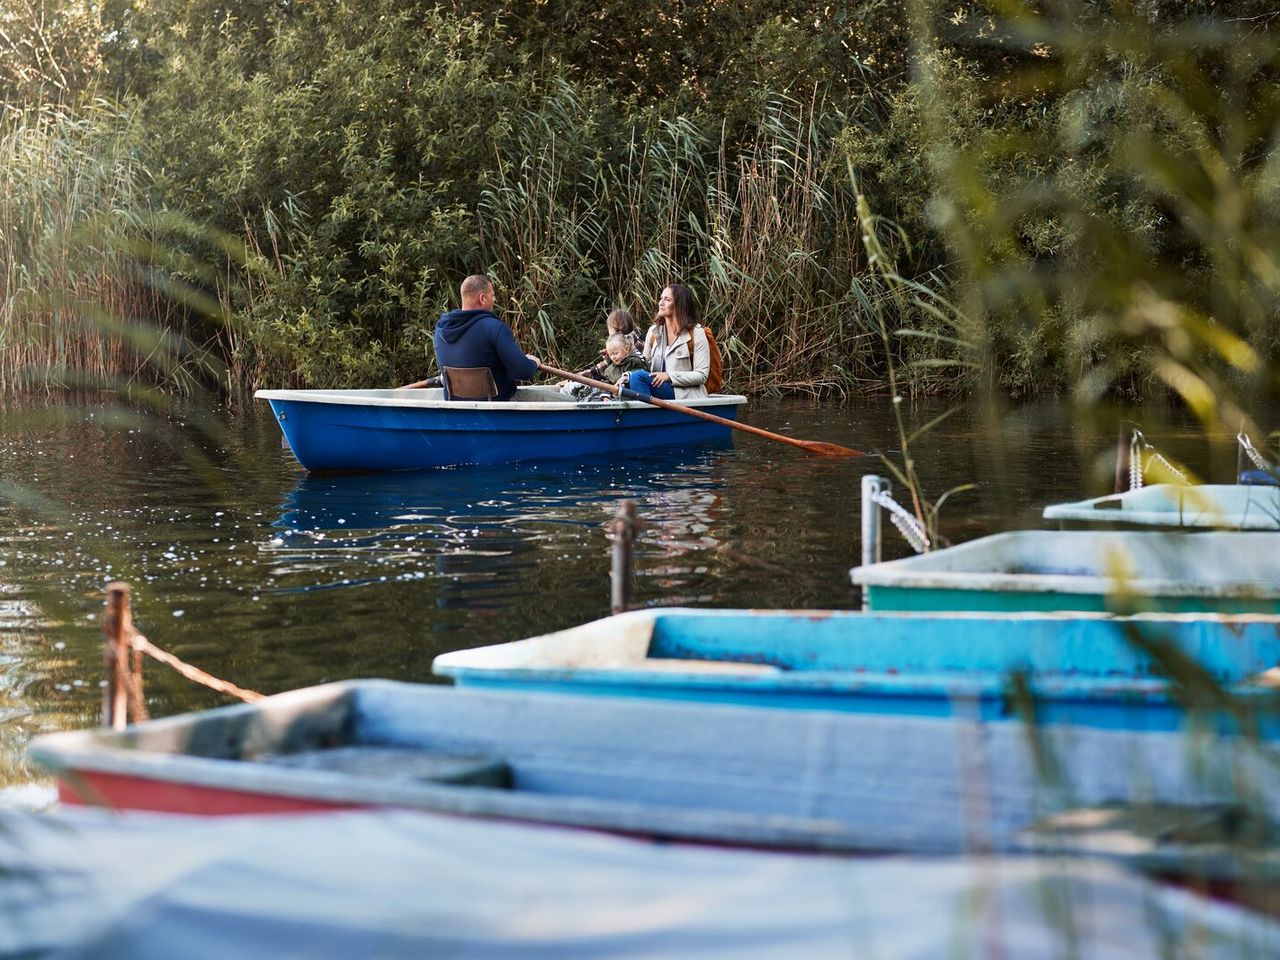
[684, 306]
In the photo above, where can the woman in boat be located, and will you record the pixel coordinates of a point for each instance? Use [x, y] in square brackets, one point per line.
[676, 350]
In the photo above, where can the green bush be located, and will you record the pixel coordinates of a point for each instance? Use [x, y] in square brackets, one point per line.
[1053, 175]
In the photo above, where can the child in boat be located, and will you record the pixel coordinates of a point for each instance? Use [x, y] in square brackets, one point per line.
[621, 321]
[618, 323]
[619, 350]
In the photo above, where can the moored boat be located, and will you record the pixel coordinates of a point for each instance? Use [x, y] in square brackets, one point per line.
[1215, 506]
[1085, 669]
[416, 429]
[398, 885]
[750, 776]
[1098, 570]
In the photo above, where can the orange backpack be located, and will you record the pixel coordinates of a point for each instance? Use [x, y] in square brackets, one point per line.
[715, 375]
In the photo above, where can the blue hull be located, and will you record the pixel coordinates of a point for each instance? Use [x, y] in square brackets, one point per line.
[1088, 671]
[353, 436]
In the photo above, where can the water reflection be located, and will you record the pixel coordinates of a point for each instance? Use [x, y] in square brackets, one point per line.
[276, 580]
[474, 533]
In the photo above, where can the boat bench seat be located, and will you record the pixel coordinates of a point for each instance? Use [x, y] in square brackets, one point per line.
[470, 383]
[398, 763]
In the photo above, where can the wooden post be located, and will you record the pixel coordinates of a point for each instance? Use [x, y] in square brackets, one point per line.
[624, 531]
[117, 628]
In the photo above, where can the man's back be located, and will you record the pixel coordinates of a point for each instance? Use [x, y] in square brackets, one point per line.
[477, 338]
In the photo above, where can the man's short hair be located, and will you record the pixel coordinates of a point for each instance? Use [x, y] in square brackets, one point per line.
[475, 285]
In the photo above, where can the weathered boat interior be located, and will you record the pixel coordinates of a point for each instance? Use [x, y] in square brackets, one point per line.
[793, 778]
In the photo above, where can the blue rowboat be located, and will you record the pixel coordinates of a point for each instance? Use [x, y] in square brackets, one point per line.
[1120, 571]
[1225, 506]
[718, 773]
[416, 429]
[1085, 669]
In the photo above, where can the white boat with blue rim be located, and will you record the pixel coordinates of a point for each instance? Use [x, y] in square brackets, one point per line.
[1213, 506]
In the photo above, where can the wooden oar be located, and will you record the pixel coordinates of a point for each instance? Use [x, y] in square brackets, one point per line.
[622, 393]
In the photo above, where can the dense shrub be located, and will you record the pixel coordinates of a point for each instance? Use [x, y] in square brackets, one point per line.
[377, 159]
[1061, 175]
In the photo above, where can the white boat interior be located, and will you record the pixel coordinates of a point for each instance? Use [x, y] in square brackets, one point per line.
[1220, 506]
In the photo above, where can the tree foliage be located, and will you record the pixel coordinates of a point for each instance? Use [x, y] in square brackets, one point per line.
[1044, 166]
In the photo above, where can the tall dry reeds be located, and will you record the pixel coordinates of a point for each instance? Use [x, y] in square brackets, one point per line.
[73, 208]
[765, 232]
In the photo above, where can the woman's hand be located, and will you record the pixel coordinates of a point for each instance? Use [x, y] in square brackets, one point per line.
[658, 379]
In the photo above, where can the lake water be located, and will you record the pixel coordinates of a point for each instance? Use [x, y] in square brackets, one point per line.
[248, 568]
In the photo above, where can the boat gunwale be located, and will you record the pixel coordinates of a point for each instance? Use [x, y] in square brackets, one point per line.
[405, 399]
[1249, 516]
[913, 574]
[631, 630]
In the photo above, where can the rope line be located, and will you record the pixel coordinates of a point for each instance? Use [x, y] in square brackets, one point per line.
[906, 523]
[195, 674]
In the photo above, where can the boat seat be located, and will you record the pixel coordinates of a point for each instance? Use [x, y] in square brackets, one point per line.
[470, 383]
[398, 763]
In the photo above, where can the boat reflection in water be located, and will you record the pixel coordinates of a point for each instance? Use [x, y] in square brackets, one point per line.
[477, 532]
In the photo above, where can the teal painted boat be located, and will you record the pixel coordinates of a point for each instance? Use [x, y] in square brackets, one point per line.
[1226, 506]
[1083, 669]
[1090, 570]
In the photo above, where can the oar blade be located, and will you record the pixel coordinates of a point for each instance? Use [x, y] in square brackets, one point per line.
[830, 449]
[813, 446]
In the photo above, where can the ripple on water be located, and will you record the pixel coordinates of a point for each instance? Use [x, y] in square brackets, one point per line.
[284, 579]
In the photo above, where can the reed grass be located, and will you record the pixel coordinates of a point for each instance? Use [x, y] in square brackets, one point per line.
[765, 232]
[73, 190]
[1112, 200]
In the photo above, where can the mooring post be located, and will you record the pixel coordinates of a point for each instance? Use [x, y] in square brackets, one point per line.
[624, 531]
[117, 626]
[1123, 444]
[1240, 450]
[871, 485]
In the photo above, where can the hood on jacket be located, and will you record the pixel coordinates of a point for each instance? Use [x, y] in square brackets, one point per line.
[455, 323]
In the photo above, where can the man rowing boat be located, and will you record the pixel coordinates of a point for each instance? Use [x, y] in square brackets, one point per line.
[474, 336]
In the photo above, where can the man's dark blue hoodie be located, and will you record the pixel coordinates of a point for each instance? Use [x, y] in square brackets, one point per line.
[477, 338]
